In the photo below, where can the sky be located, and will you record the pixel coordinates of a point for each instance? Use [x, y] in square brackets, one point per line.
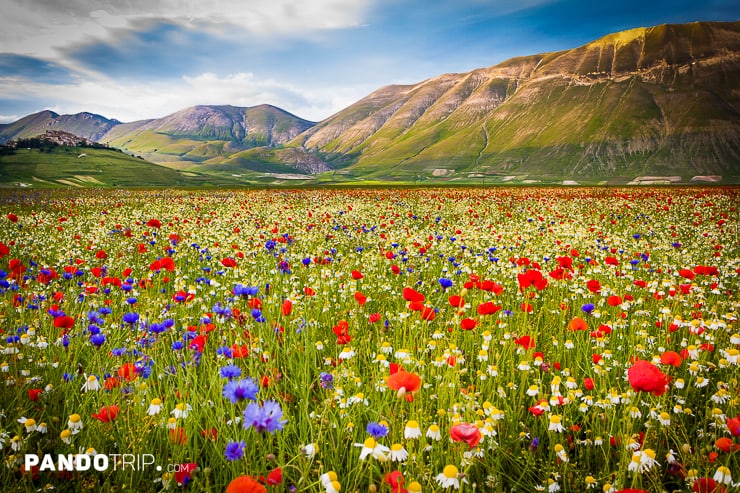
[139, 59]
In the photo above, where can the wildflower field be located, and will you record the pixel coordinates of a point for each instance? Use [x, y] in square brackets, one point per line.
[498, 340]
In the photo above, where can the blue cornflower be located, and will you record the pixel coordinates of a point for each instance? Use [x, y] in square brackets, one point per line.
[265, 418]
[131, 317]
[445, 283]
[235, 450]
[97, 339]
[327, 380]
[237, 390]
[241, 290]
[157, 328]
[231, 371]
[377, 430]
[588, 308]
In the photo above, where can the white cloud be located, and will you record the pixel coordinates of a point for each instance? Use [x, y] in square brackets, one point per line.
[9, 118]
[130, 101]
[42, 27]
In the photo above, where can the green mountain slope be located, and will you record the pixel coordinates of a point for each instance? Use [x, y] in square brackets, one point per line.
[64, 166]
[651, 101]
[206, 133]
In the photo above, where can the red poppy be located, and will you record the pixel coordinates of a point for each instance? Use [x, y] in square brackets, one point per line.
[428, 314]
[646, 377]
[671, 358]
[228, 262]
[468, 323]
[412, 295]
[611, 261]
[165, 263]
[356, 274]
[107, 413]
[4, 250]
[525, 341]
[64, 322]
[360, 298]
[559, 274]
[16, 269]
[565, 262]
[111, 383]
[456, 301]
[532, 277]
[308, 291]
[154, 223]
[594, 286]
[183, 471]
[34, 394]
[405, 383]
[725, 445]
[416, 306]
[341, 330]
[178, 436]
[395, 479]
[577, 324]
[245, 484]
[127, 371]
[488, 308]
[707, 485]
[287, 307]
[632, 490]
[733, 425]
[467, 433]
[374, 317]
[588, 382]
[614, 300]
[686, 274]
[12, 217]
[198, 343]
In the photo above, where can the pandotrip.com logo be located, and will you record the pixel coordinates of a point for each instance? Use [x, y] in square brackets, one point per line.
[96, 462]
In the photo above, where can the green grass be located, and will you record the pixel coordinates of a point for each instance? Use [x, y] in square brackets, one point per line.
[62, 167]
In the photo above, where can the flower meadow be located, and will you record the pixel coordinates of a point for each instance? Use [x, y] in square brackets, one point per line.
[499, 340]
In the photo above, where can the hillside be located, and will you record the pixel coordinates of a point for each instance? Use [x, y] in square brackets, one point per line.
[86, 125]
[206, 133]
[66, 166]
[650, 101]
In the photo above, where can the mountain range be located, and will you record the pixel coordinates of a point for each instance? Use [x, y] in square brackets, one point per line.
[657, 104]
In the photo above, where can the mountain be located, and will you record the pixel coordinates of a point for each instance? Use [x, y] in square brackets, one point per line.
[658, 101]
[648, 105]
[85, 125]
[203, 134]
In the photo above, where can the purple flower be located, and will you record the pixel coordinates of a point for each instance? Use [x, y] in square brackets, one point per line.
[230, 371]
[97, 339]
[239, 390]
[327, 380]
[235, 450]
[265, 418]
[377, 430]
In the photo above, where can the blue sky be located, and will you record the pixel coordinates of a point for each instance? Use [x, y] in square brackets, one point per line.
[148, 58]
